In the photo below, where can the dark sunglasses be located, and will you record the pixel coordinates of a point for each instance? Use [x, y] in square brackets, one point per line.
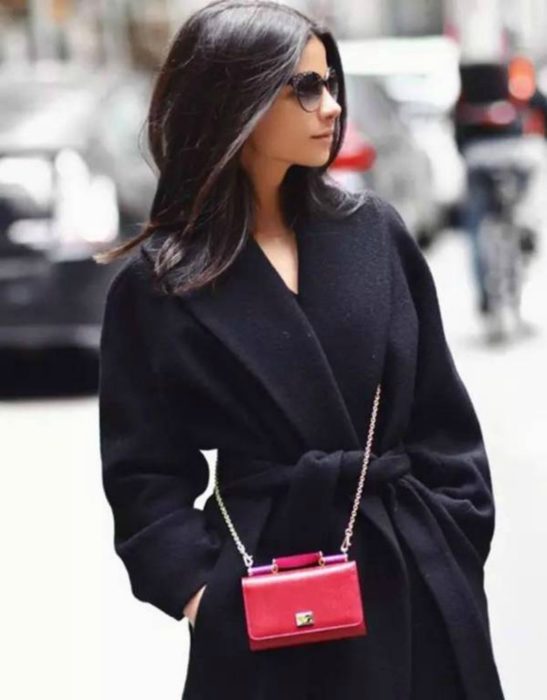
[308, 87]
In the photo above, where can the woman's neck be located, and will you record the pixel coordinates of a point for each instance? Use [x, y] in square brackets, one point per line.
[266, 175]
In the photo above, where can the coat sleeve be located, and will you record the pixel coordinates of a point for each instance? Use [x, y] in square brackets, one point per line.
[443, 438]
[151, 471]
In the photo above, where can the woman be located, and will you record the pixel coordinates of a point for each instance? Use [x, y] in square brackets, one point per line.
[259, 313]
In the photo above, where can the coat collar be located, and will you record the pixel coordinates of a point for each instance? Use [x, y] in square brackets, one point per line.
[343, 276]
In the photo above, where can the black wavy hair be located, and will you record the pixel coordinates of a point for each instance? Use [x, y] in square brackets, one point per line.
[222, 72]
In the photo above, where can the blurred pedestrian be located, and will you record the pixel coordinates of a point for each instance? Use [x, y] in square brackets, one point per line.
[498, 101]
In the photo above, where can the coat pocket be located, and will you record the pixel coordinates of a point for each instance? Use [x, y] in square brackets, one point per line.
[202, 607]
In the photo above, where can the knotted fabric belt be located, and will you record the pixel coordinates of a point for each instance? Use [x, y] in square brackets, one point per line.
[315, 469]
[313, 482]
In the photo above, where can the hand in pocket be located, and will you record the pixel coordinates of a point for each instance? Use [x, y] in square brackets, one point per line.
[191, 608]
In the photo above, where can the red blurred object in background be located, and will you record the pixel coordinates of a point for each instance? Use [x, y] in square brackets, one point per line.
[497, 113]
[522, 88]
[534, 122]
[522, 78]
[357, 153]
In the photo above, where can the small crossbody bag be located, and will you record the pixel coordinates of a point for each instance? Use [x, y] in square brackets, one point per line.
[309, 597]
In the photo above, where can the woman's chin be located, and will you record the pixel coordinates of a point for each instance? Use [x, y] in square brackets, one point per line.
[316, 160]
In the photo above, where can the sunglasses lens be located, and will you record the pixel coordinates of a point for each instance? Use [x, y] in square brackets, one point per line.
[309, 92]
[310, 89]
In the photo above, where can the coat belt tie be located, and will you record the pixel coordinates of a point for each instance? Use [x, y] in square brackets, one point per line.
[312, 482]
[239, 473]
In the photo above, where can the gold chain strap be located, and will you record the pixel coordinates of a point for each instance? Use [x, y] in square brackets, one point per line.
[346, 542]
[348, 532]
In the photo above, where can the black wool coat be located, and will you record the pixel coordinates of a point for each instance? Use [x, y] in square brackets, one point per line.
[284, 388]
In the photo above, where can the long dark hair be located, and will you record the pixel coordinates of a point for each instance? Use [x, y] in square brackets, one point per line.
[223, 70]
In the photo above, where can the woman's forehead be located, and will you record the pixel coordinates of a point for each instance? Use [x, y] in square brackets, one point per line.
[314, 57]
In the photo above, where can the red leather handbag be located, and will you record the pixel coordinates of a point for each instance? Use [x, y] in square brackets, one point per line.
[308, 597]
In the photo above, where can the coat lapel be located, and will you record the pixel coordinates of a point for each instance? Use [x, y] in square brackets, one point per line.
[343, 282]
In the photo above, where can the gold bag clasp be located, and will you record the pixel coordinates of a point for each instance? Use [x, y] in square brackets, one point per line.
[304, 618]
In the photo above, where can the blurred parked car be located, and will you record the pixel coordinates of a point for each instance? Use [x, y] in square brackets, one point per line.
[396, 167]
[421, 76]
[119, 148]
[59, 204]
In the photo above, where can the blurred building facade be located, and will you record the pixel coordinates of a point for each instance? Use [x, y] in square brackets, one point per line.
[138, 31]
[492, 29]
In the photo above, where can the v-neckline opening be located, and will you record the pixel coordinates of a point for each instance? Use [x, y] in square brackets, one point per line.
[292, 293]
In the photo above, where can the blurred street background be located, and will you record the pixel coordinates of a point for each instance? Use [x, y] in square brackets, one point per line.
[447, 120]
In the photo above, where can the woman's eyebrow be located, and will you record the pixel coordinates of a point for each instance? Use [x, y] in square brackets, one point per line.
[313, 70]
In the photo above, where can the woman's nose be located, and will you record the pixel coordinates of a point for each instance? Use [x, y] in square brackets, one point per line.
[329, 106]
